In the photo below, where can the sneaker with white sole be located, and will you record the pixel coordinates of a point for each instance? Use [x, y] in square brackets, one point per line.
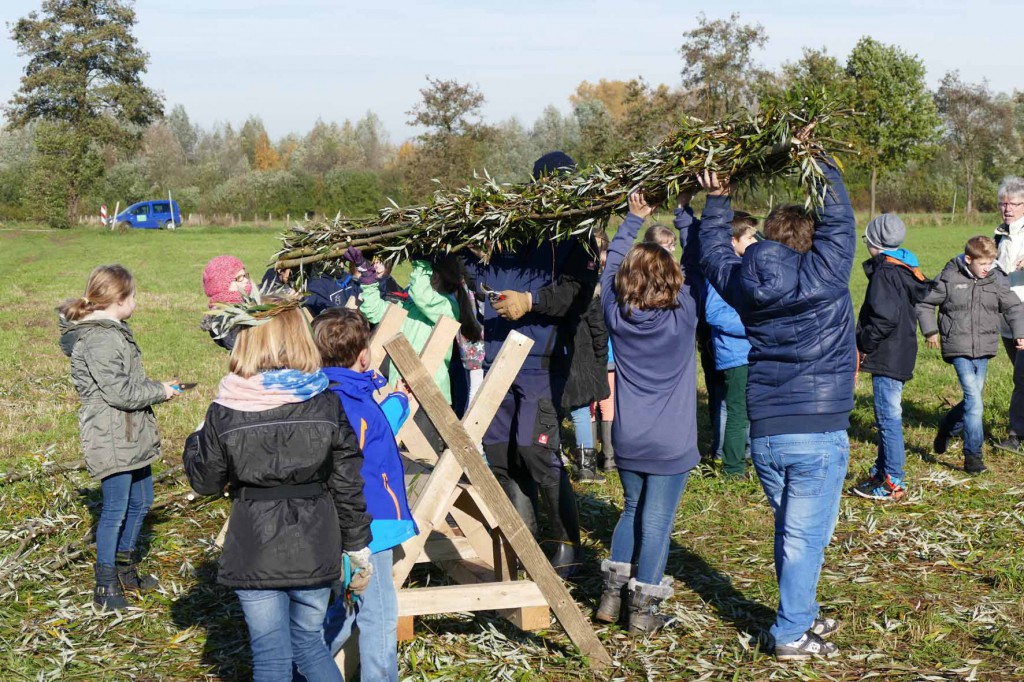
[888, 488]
[808, 646]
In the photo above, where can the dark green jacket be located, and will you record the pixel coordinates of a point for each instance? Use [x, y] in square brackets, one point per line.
[116, 422]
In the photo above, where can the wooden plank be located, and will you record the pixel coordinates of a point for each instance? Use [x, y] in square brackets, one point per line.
[476, 535]
[388, 326]
[528, 617]
[429, 509]
[463, 447]
[420, 601]
[406, 626]
[441, 548]
[438, 345]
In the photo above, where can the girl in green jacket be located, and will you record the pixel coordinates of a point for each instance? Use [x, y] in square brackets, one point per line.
[117, 425]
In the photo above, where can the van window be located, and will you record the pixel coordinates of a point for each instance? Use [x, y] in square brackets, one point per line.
[161, 208]
[142, 210]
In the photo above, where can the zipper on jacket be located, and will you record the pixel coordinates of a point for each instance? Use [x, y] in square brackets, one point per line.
[394, 498]
[128, 426]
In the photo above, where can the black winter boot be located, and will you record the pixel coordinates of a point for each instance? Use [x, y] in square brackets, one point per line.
[585, 463]
[128, 573]
[643, 605]
[563, 518]
[607, 451]
[108, 594]
[524, 504]
[616, 576]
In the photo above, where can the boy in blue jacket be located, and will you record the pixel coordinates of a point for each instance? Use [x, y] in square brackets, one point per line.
[729, 340]
[343, 337]
[792, 294]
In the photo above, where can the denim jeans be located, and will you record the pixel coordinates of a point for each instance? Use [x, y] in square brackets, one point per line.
[582, 425]
[287, 625]
[377, 618]
[127, 498]
[644, 530]
[888, 394]
[966, 416]
[802, 475]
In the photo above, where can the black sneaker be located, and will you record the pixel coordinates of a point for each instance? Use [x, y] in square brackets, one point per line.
[973, 464]
[808, 646]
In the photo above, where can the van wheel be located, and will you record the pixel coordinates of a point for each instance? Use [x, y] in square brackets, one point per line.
[170, 225]
[124, 226]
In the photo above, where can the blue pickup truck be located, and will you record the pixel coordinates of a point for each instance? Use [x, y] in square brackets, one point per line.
[149, 215]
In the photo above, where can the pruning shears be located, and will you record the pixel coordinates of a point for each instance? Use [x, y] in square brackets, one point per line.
[352, 600]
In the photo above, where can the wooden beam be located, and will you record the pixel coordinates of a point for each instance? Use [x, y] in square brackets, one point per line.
[421, 601]
[430, 508]
[446, 548]
[463, 447]
[388, 326]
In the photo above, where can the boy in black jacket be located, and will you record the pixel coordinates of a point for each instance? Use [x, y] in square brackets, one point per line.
[887, 342]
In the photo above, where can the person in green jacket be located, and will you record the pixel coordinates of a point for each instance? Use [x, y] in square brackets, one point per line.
[435, 290]
[118, 429]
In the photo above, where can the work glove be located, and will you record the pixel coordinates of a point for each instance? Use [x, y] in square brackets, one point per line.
[513, 304]
[361, 570]
[365, 272]
[354, 256]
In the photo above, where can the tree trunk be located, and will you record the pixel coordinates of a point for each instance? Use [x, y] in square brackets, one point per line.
[969, 206]
[874, 177]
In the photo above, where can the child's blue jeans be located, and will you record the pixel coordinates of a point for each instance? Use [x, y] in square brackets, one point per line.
[644, 531]
[127, 498]
[582, 425]
[286, 626]
[888, 394]
[377, 618]
[967, 416]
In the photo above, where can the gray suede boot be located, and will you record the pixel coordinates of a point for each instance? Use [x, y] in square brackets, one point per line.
[643, 605]
[616, 576]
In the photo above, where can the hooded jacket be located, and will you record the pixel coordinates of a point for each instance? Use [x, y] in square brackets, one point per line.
[282, 543]
[655, 426]
[798, 314]
[116, 423]
[887, 325]
[970, 311]
[728, 336]
[382, 471]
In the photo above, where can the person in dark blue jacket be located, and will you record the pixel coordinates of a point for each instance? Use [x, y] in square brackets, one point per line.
[343, 337]
[539, 290]
[792, 293]
[652, 321]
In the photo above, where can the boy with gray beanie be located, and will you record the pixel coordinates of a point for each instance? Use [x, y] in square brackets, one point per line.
[887, 343]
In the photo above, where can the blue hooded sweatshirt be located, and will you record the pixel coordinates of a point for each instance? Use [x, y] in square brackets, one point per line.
[655, 427]
[383, 473]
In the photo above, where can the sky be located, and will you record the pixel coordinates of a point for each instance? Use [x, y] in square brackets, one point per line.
[293, 62]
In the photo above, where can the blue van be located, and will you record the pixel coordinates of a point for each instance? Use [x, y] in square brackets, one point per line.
[150, 215]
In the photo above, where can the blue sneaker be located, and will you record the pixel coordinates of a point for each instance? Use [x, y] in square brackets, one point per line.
[889, 488]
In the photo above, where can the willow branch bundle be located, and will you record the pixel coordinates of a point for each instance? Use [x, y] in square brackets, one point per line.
[750, 148]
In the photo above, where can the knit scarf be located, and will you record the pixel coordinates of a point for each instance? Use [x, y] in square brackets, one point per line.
[268, 390]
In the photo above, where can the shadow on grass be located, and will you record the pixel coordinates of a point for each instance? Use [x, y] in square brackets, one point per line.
[215, 609]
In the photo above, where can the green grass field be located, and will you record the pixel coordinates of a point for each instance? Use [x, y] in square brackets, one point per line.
[926, 589]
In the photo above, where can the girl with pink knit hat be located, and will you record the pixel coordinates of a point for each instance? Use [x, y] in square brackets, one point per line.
[225, 280]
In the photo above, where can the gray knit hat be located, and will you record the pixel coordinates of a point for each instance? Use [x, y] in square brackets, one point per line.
[885, 232]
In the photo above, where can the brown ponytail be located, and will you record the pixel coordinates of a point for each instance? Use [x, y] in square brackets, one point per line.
[107, 286]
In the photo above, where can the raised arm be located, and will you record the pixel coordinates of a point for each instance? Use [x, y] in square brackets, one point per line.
[620, 246]
[718, 260]
[689, 239]
[834, 245]
[432, 304]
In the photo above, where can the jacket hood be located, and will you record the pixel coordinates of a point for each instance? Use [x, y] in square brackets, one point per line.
[71, 332]
[771, 271]
[358, 385]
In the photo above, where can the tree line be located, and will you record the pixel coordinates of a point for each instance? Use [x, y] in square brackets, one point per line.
[83, 129]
